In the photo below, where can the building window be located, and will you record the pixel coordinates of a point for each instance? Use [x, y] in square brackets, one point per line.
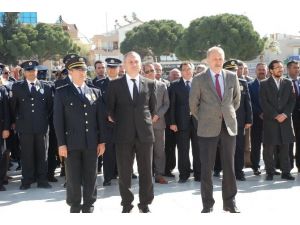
[115, 45]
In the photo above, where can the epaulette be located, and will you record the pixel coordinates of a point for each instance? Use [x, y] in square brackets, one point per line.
[63, 86]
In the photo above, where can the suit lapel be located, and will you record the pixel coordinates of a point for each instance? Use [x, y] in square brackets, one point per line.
[125, 85]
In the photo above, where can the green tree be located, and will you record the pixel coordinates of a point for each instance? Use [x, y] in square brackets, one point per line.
[156, 38]
[41, 42]
[9, 26]
[234, 33]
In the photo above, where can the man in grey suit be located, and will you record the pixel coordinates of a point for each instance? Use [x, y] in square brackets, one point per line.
[277, 98]
[159, 124]
[214, 99]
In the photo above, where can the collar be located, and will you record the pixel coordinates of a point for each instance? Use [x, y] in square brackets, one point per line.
[137, 78]
[29, 82]
[190, 80]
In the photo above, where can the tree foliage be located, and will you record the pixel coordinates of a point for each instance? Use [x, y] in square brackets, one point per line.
[156, 38]
[234, 33]
[41, 42]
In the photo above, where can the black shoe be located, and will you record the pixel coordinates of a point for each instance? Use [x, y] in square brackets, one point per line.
[269, 177]
[197, 179]
[169, 174]
[144, 209]
[2, 188]
[62, 172]
[106, 183]
[89, 209]
[287, 176]
[52, 179]
[45, 185]
[18, 168]
[65, 185]
[5, 182]
[134, 176]
[277, 173]
[216, 173]
[181, 181]
[24, 186]
[75, 209]
[256, 172]
[240, 177]
[207, 210]
[233, 209]
[127, 209]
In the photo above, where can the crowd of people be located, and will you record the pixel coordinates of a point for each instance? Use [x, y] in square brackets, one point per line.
[130, 112]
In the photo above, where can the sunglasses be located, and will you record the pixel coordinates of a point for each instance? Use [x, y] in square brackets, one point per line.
[149, 71]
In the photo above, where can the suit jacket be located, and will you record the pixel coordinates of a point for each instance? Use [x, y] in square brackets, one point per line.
[4, 111]
[162, 104]
[31, 111]
[131, 120]
[296, 111]
[179, 105]
[209, 109]
[254, 95]
[244, 112]
[78, 121]
[274, 102]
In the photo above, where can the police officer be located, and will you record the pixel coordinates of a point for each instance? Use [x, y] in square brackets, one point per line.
[31, 106]
[78, 122]
[109, 158]
[244, 120]
[4, 134]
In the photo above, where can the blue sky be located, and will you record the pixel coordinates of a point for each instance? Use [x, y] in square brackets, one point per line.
[96, 16]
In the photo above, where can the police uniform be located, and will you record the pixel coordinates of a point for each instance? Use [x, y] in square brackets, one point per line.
[31, 106]
[109, 158]
[4, 125]
[243, 116]
[78, 122]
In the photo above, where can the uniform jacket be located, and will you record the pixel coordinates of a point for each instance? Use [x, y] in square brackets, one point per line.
[4, 110]
[274, 102]
[78, 121]
[244, 112]
[31, 111]
[209, 109]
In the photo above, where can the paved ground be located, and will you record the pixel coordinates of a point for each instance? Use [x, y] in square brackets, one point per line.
[254, 196]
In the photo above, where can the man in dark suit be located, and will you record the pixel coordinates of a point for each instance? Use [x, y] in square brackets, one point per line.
[170, 145]
[277, 98]
[78, 123]
[257, 128]
[214, 99]
[293, 73]
[100, 71]
[31, 107]
[109, 158]
[131, 106]
[4, 134]
[184, 124]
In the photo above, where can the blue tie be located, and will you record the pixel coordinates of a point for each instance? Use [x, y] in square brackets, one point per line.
[187, 84]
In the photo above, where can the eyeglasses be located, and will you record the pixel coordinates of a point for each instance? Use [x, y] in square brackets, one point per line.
[149, 71]
[6, 73]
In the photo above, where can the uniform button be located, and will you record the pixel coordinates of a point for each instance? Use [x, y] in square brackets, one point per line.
[85, 114]
[32, 99]
[84, 105]
[86, 130]
[86, 122]
[32, 110]
[32, 104]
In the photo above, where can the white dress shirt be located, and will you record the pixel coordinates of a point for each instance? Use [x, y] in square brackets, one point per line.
[130, 83]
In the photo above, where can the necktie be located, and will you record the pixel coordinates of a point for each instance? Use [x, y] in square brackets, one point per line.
[32, 89]
[187, 84]
[135, 91]
[80, 92]
[218, 87]
[295, 87]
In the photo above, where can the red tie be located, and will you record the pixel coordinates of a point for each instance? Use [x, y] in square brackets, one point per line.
[218, 87]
